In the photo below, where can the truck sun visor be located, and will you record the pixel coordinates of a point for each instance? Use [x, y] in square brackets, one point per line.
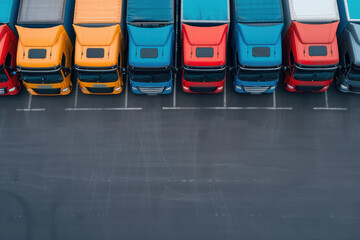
[37, 53]
[95, 53]
[261, 52]
[317, 51]
[202, 52]
[149, 53]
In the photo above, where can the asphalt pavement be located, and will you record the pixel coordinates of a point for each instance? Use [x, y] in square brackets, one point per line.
[226, 166]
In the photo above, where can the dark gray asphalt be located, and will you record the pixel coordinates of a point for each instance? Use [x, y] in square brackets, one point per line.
[180, 174]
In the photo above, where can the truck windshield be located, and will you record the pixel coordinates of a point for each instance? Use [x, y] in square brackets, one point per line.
[263, 75]
[148, 75]
[3, 76]
[354, 74]
[201, 76]
[313, 75]
[98, 77]
[45, 77]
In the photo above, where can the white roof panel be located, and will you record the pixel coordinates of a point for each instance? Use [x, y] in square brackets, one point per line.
[314, 10]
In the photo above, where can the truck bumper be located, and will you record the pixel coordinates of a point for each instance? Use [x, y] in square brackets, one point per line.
[151, 88]
[293, 85]
[102, 88]
[203, 87]
[58, 89]
[9, 89]
[255, 87]
[347, 86]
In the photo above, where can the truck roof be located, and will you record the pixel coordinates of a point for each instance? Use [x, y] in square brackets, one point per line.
[352, 9]
[6, 10]
[257, 11]
[39, 12]
[205, 11]
[150, 11]
[98, 12]
[311, 11]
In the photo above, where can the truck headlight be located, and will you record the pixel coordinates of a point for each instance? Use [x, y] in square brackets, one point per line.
[343, 87]
[134, 88]
[220, 88]
[65, 90]
[239, 88]
[289, 86]
[326, 88]
[185, 88]
[12, 89]
[273, 88]
[118, 89]
[168, 89]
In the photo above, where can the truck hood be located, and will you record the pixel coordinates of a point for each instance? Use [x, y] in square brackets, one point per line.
[309, 36]
[259, 45]
[109, 40]
[211, 41]
[354, 29]
[4, 42]
[150, 47]
[48, 39]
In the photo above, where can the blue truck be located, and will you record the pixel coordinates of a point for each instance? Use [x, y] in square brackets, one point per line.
[256, 45]
[348, 77]
[151, 34]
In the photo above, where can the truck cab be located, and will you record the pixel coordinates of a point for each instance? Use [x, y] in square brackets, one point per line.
[205, 27]
[151, 34]
[151, 59]
[256, 45]
[310, 45]
[45, 49]
[99, 46]
[348, 77]
[204, 58]
[9, 82]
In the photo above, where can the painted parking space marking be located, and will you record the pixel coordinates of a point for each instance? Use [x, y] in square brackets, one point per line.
[327, 106]
[29, 109]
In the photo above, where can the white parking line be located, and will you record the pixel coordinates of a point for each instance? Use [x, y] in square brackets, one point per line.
[127, 84]
[225, 100]
[29, 109]
[230, 108]
[76, 94]
[274, 99]
[329, 109]
[103, 109]
[327, 106]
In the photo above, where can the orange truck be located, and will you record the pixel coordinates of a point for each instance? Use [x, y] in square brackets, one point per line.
[99, 46]
[45, 49]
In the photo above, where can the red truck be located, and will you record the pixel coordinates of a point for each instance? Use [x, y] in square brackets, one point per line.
[204, 25]
[9, 82]
[311, 56]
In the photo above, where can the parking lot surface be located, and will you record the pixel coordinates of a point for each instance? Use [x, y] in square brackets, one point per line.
[226, 166]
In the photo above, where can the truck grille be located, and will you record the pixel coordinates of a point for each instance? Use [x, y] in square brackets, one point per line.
[47, 91]
[3, 91]
[354, 88]
[151, 90]
[255, 89]
[309, 88]
[203, 89]
[101, 90]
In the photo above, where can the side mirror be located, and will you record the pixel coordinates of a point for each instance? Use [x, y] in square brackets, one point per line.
[122, 71]
[66, 71]
[11, 71]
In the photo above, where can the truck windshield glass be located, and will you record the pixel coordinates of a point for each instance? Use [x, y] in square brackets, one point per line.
[354, 74]
[98, 77]
[246, 75]
[46, 77]
[139, 75]
[3, 76]
[313, 75]
[201, 76]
